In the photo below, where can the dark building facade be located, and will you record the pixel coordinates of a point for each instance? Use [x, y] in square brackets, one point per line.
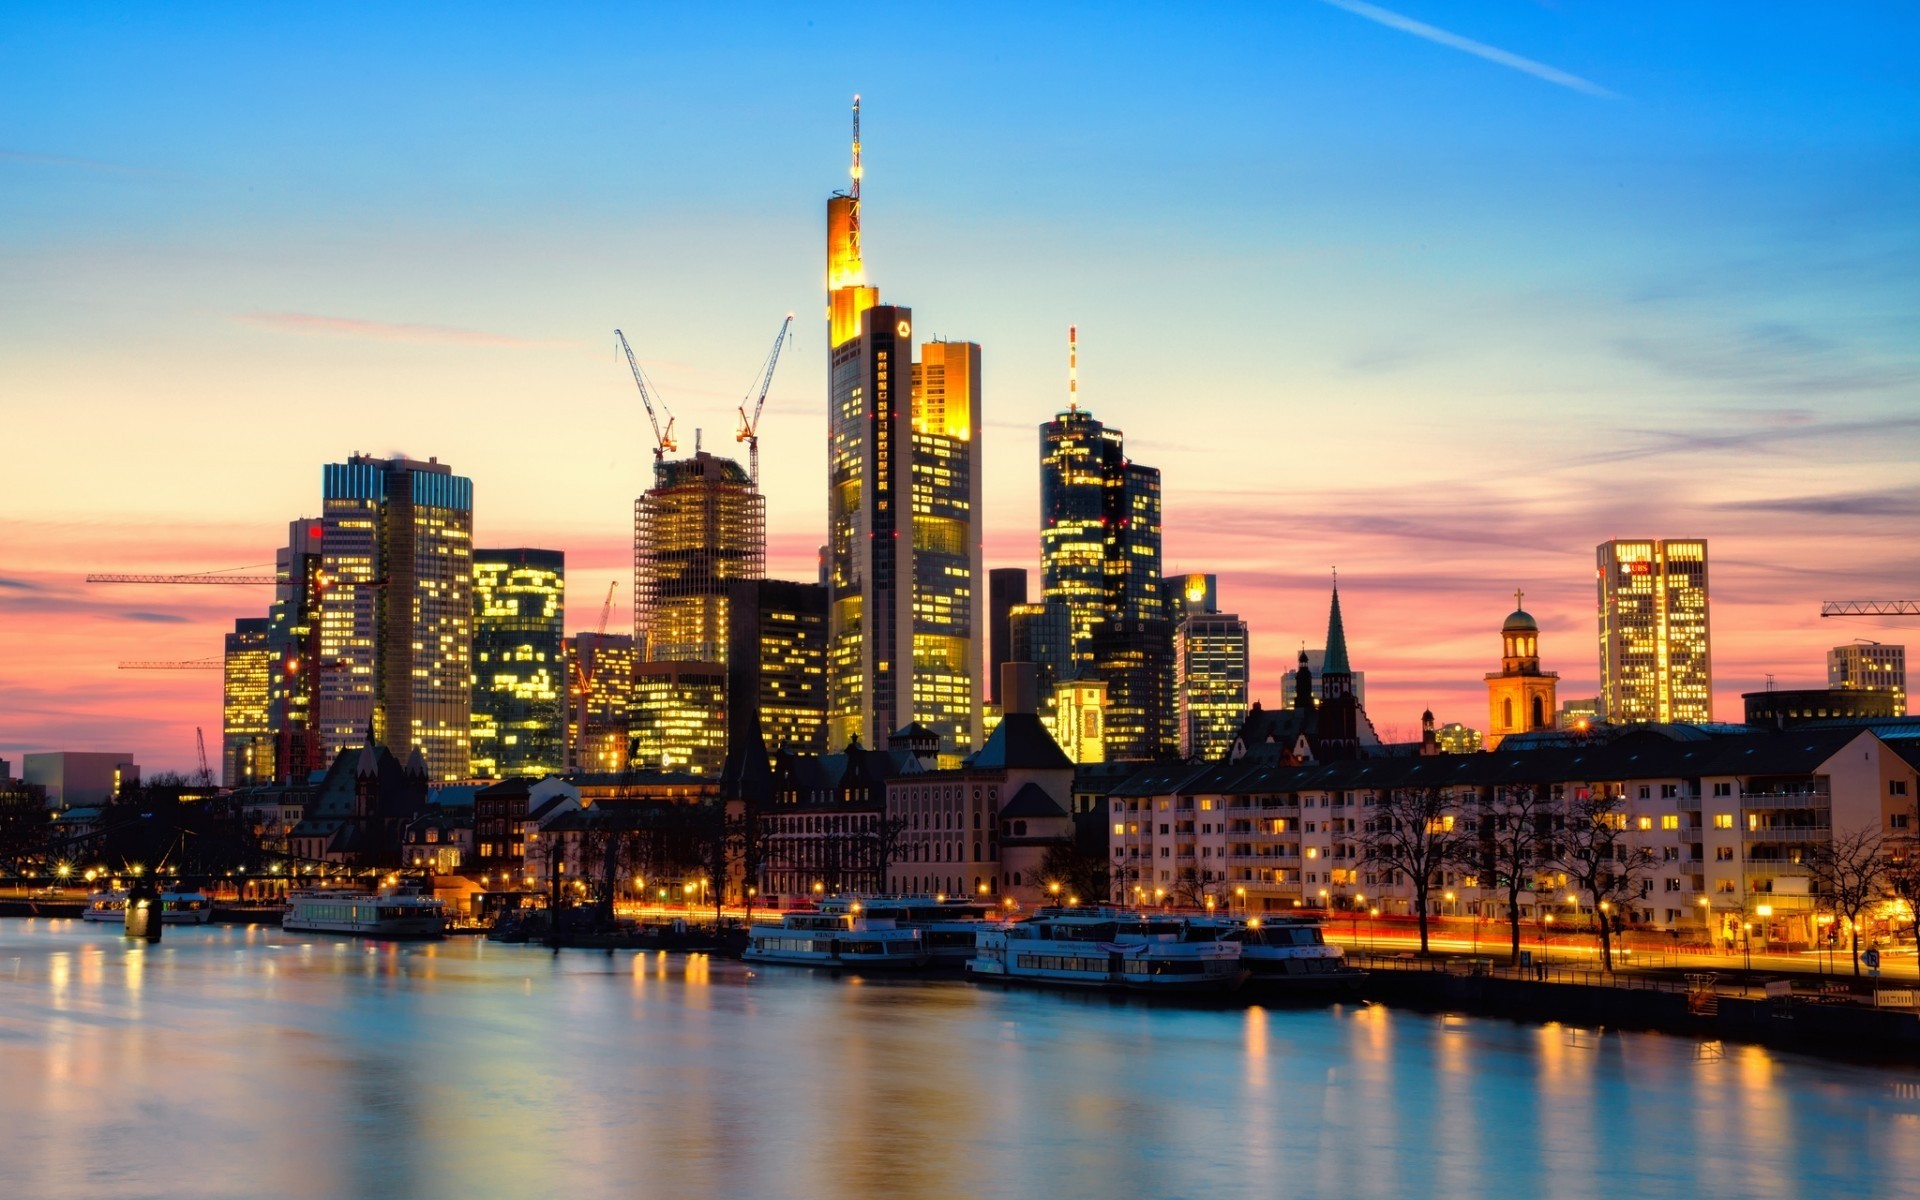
[1006, 587]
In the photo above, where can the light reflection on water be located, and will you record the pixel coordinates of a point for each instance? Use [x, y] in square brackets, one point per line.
[233, 1061]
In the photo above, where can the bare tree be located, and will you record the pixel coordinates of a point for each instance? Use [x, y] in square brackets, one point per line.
[1417, 832]
[1592, 848]
[1513, 828]
[1903, 869]
[1848, 873]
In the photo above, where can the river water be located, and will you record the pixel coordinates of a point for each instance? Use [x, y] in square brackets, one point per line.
[244, 1061]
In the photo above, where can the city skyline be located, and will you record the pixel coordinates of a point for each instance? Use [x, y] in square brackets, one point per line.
[1757, 368]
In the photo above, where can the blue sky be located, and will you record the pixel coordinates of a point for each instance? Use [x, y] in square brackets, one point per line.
[1442, 294]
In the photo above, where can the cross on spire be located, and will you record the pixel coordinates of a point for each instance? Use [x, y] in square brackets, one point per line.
[1518, 595]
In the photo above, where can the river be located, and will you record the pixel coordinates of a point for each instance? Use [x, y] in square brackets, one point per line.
[244, 1061]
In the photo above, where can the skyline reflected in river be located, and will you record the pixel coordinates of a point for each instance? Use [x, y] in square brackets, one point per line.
[243, 1061]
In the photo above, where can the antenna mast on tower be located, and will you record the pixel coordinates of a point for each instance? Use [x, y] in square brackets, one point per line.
[853, 222]
[1073, 368]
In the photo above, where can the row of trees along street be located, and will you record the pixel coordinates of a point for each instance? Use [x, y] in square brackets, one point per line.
[1517, 836]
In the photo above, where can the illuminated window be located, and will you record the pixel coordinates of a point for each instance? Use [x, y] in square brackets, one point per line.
[1723, 821]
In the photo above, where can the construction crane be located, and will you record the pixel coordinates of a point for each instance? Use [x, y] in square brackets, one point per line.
[749, 431]
[1870, 608]
[200, 744]
[662, 441]
[185, 664]
[197, 577]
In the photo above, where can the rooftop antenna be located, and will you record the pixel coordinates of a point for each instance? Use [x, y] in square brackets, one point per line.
[853, 218]
[1073, 368]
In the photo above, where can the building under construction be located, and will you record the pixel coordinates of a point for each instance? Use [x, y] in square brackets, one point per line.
[698, 529]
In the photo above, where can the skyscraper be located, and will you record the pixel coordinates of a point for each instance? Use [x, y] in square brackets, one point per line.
[1210, 656]
[1870, 666]
[1655, 664]
[1100, 559]
[294, 686]
[701, 527]
[519, 663]
[903, 511]
[1006, 587]
[790, 636]
[396, 614]
[246, 711]
[600, 691]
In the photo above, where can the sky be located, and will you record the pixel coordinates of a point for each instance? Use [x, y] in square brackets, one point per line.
[1441, 295]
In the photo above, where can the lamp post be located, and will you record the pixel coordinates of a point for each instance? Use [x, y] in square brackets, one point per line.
[1240, 894]
[1546, 922]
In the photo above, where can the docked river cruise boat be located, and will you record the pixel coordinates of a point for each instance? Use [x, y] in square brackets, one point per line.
[176, 908]
[391, 913]
[948, 928]
[1286, 955]
[1110, 949]
[850, 939]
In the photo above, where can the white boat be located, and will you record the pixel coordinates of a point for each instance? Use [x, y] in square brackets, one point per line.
[176, 908]
[1287, 955]
[948, 928]
[390, 913]
[106, 906]
[1108, 948]
[849, 939]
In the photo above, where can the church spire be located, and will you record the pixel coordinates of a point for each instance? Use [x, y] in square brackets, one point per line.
[1336, 660]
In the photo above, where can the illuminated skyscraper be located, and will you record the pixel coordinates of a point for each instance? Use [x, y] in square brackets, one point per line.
[903, 559]
[396, 610]
[600, 693]
[1100, 559]
[519, 663]
[1655, 664]
[294, 686]
[1210, 656]
[789, 629]
[1099, 522]
[246, 714]
[701, 527]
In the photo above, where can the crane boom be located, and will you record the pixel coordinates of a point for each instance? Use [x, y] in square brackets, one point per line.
[662, 441]
[199, 577]
[200, 744]
[173, 664]
[1870, 608]
[750, 426]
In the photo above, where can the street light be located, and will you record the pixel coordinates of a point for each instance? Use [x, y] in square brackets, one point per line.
[1546, 923]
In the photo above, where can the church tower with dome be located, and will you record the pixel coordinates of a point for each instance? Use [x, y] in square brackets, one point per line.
[1520, 697]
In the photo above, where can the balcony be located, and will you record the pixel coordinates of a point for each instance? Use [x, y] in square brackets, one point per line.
[1794, 834]
[1811, 797]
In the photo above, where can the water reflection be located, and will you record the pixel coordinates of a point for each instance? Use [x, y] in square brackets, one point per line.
[243, 1062]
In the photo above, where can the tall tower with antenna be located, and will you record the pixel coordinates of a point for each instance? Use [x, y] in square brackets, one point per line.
[906, 616]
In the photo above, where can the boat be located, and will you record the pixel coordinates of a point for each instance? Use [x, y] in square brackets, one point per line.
[844, 940]
[388, 913]
[1110, 949]
[948, 927]
[106, 906]
[1287, 955]
[176, 908]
